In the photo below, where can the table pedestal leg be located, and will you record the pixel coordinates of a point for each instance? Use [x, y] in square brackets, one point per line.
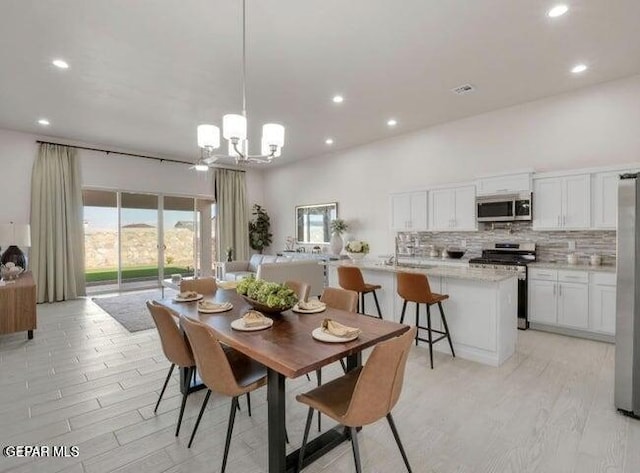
[276, 421]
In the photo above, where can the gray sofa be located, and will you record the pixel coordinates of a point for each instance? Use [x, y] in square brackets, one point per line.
[278, 269]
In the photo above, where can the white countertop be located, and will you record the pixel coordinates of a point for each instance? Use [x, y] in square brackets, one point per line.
[605, 268]
[455, 272]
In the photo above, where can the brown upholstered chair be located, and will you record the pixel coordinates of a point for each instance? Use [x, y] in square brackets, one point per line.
[227, 372]
[363, 395]
[342, 299]
[205, 286]
[350, 278]
[176, 349]
[414, 287]
[300, 288]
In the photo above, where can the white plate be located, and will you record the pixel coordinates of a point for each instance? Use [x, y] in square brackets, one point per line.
[315, 310]
[188, 299]
[216, 310]
[323, 336]
[238, 324]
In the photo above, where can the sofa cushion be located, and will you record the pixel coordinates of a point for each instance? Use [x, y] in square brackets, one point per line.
[237, 275]
[268, 259]
[308, 271]
[283, 259]
[254, 262]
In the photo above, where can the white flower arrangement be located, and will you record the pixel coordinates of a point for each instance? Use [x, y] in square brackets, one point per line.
[357, 246]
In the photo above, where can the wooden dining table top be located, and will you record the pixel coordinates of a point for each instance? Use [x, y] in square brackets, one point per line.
[287, 346]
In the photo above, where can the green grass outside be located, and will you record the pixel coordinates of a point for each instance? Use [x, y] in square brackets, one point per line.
[139, 272]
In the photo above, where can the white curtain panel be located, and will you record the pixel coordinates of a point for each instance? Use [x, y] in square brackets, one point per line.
[232, 214]
[57, 252]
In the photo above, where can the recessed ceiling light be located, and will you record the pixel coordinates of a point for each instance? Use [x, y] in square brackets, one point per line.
[60, 63]
[329, 141]
[44, 122]
[557, 11]
[338, 99]
[577, 69]
[392, 122]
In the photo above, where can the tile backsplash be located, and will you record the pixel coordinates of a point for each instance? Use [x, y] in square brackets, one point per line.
[550, 246]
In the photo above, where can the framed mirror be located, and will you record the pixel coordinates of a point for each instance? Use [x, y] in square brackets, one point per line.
[313, 222]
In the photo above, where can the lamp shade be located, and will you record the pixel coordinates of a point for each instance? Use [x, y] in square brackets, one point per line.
[18, 234]
[273, 134]
[234, 126]
[208, 136]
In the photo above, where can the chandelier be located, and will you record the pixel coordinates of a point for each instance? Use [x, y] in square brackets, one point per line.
[234, 128]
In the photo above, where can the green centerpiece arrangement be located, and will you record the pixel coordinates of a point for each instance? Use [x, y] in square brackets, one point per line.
[267, 297]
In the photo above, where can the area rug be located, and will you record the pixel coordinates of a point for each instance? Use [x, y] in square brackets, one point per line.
[130, 309]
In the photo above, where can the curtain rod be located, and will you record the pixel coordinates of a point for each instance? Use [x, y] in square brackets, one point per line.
[107, 151]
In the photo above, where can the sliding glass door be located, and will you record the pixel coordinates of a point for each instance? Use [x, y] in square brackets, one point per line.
[134, 240]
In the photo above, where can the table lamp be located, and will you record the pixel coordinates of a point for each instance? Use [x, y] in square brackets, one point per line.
[13, 235]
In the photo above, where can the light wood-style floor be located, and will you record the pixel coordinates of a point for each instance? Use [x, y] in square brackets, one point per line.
[86, 381]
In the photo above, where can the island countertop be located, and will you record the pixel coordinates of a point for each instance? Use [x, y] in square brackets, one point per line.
[453, 272]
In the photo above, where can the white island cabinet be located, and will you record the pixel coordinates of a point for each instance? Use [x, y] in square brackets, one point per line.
[481, 310]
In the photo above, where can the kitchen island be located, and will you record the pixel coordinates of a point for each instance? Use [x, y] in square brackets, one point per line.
[481, 310]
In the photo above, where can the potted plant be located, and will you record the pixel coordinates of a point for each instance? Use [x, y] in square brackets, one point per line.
[259, 234]
[357, 249]
[338, 227]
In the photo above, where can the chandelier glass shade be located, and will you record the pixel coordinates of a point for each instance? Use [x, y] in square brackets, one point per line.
[234, 128]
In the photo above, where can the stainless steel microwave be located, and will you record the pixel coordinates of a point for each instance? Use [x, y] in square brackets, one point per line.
[503, 207]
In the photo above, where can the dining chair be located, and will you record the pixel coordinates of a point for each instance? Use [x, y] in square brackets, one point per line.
[175, 348]
[363, 395]
[414, 287]
[229, 373]
[300, 288]
[340, 299]
[350, 277]
[205, 286]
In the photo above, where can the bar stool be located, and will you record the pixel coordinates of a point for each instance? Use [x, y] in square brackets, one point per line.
[414, 287]
[350, 278]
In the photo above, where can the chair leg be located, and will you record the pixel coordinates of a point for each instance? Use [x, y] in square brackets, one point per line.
[344, 367]
[184, 397]
[404, 308]
[362, 295]
[166, 381]
[397, 437]
[248, 403]
[308, 378]
[446, 328]
[195, 427]
[232, 418]
[418, 320]
[356, 450]
[307, 427]
[375, 299]
[429, 335]
[319, 378]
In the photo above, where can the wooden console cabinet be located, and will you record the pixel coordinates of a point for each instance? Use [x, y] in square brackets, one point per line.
[18, 306]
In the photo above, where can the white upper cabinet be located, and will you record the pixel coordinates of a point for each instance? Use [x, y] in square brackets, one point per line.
[505, 184]
[452, 209]
[562, 203]
[409, 211]
[605, 200]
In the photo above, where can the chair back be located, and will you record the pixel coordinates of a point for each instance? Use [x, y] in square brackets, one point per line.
[342, 299]
[414, 287]
[211, 360]
[174, 345]
[380, 382]
[205, 286]
[350, 278]
[300, 288]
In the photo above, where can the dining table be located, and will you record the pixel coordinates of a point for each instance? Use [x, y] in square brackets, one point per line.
[288, 350]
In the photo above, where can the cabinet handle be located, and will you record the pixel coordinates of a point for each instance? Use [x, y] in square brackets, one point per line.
[554, 289]
[564, 220]
[560, 289]
[558, 220]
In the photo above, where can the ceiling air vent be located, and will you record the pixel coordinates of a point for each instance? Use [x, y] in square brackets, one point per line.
[463, 89]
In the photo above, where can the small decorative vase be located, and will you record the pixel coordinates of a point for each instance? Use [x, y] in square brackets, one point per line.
[336, 244]
[356, 257]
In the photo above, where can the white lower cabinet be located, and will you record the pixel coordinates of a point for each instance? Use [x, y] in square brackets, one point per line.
[573, 300]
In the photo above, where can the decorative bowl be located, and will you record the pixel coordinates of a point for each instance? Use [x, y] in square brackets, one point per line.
[455, 253]
[10, 273]
[355, 257]
[265, 309]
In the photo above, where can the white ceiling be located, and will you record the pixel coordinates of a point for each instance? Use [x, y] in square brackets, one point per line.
[145, 73]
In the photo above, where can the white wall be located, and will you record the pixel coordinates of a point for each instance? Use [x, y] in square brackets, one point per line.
[101, 170]
[593, 126]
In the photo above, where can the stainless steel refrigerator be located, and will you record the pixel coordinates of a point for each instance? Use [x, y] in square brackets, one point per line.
[627, 375]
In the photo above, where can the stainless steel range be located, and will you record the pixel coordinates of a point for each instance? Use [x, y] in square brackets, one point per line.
[510, 257]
